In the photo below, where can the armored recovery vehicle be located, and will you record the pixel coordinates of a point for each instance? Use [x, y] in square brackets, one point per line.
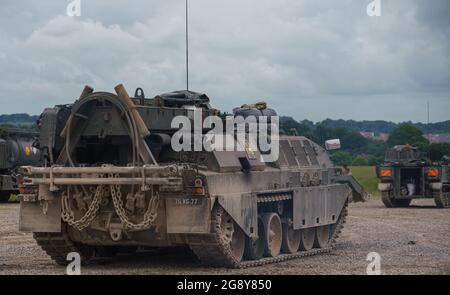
[113, 181]
[406, 176]
[16, 149]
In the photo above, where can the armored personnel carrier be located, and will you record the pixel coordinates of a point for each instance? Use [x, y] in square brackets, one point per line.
[406, 176]
[16, 149]
[113, 180]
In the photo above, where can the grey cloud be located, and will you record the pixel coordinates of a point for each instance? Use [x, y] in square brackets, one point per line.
[309, 59]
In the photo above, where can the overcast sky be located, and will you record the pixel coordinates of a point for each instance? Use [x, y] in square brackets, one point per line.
[311, 59]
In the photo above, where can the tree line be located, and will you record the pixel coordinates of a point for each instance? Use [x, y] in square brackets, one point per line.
[357, 150]
[18, 119]
[380, 126]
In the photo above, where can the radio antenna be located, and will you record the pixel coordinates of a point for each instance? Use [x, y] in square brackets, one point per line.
[187, 46]
[428, 122]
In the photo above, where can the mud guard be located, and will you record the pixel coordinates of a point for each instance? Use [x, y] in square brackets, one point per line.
[244, 210]
[33, 219]
[188, 215]
[359, 194]
[317, 206]
[384, 187]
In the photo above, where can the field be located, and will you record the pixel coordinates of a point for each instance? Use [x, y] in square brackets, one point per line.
[366, 175]
[405, 245]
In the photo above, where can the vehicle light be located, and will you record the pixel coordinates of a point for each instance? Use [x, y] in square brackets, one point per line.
[433, 172]
[21, 185]
[198, 187]
[386, 173]
[199, 191]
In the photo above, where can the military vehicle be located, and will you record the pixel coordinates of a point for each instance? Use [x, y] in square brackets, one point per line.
[406, 176]
[112, 181]
[16, 149]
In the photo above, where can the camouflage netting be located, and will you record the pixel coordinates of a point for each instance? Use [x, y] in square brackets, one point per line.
[184, 97]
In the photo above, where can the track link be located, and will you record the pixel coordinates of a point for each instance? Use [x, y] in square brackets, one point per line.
[274, 198]
[212, 251]
[58, 245]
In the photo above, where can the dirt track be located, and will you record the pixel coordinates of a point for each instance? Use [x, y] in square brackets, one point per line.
[410, 241]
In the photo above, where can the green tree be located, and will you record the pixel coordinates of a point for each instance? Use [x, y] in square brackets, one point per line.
[406, 134]
[341, 158]
[302, 128]
[5, 126]
[350, 140]
[423, 147]
[375, 160]
[437, 150]
[360, 161]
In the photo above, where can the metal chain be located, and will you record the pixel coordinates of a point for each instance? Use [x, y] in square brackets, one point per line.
[68, 216]
[149, 216]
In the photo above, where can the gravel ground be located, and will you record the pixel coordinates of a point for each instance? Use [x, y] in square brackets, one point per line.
[415, 240]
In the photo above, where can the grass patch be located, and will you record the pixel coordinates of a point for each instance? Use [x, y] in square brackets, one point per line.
[366, 175]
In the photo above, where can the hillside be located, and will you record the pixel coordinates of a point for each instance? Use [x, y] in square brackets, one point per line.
[381, 126]
[18, 119]
[378, 126]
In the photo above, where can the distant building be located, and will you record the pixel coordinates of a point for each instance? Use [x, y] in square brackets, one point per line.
[382, 137]
[371, 135]
[367, 134]
[438, 138]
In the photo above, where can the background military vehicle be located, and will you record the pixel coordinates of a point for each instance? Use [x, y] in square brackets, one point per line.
[16, 149]
[406, 176]
[112, 181]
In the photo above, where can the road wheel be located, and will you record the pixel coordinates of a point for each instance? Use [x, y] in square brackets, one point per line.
[225, 246]
[322, 236]
[442, 199]
[307, 238]
[273, 234]
[291, 239]
[385, 198]
[254, 249]
[231, 234]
